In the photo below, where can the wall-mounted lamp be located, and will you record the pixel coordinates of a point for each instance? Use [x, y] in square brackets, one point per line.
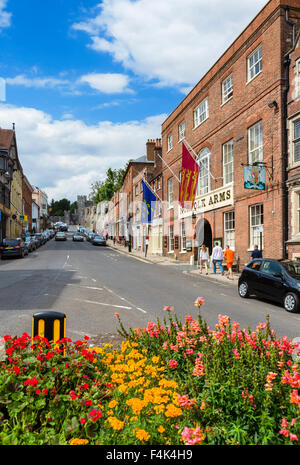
[274, 105]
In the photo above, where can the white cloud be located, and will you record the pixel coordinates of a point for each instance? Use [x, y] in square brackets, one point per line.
[5, 17]
[65, 156]
[172, 41]
[47, 82]
[107, 83]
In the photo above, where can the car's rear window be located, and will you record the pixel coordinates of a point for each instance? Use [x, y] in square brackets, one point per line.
[293, 268]
[10, 242]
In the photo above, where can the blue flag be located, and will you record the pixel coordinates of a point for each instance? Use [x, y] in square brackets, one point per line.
[148, 204]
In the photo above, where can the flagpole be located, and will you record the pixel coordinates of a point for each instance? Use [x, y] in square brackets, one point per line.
[151, 189]
[168, 167]
[197, 158]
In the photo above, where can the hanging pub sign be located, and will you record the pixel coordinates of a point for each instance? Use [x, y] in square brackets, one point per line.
[254, 178]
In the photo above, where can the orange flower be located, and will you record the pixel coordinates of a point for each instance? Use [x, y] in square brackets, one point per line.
[117, 315]
[199, 301]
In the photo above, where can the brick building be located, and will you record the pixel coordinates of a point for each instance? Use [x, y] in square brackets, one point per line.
[233, 119]
[293, 148]
[27, 203]
[151, 173]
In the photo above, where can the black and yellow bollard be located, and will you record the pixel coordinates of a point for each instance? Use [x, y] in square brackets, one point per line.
[48, 324]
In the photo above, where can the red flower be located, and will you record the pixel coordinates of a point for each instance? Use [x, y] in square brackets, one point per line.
[16, 370]
[82, 421]
[72, 395]
[173, 364]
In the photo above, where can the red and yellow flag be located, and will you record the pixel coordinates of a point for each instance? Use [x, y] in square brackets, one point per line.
[189, 177]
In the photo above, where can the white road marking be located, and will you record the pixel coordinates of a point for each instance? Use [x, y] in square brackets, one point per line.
[81, 333]
[126, 300]
[85, 287]
[102, 303]
[94, 280]
[138, 308]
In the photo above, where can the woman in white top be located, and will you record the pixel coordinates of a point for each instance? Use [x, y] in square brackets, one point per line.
[204, 256]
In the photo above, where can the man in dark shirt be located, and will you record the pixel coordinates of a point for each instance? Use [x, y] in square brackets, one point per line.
[256, 252]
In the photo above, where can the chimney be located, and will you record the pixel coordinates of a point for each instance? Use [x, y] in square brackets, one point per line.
[150, 147]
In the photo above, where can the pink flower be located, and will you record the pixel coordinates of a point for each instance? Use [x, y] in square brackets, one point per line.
[173, 364]
[293, 437]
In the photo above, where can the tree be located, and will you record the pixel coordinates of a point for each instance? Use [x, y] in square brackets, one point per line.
[104, 190]
[59, 207]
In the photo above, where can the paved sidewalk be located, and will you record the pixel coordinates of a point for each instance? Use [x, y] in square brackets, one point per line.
[162, 260]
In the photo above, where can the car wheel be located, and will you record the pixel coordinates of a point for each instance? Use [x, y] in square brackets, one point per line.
[291, 303]
[243, 290]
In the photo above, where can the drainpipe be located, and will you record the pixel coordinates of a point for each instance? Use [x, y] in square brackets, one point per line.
[288, 21]
[286, 64]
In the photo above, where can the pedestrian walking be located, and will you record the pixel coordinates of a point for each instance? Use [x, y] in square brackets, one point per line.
[146, 245]
[217, 257]
[256, 253]
[204, 257]
[229, 256]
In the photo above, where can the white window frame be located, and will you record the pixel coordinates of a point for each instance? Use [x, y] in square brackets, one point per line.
[227, 89]
[200, 113]
[297, 79]
[158, 184]
[170, 187]
[295, 140]
[228, 166]
[181, 131]
[203, 186]
[255, 143]
[171, 238]
[256, 214]
[295, 213]
[254, 68]
[229, 229]
[183, 237]
[170, 142]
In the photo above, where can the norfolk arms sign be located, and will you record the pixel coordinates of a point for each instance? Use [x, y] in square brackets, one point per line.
[218, 198]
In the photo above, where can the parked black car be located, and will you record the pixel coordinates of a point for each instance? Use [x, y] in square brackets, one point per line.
[13, 248]
[31, 244]
[98, 240]
[272, 279]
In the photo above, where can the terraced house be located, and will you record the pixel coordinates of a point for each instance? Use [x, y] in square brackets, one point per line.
[10, 185]
[235, 121]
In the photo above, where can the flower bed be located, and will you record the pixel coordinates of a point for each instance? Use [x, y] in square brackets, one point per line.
[170, 383]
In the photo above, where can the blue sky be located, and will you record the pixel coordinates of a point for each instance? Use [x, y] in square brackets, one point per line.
[88, 82]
